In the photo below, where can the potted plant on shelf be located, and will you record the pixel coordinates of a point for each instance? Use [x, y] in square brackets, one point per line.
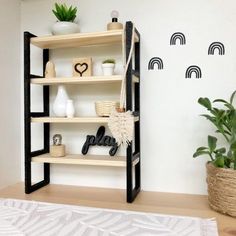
[66, 16]
[108, 67]
[221, 169]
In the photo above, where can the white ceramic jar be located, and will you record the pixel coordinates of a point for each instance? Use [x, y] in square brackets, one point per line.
[70, 109]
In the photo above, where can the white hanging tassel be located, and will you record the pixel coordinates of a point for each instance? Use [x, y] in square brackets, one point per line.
[121, 124]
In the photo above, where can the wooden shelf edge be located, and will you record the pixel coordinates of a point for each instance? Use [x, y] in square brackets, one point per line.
[90, 160]
[78, 80]
[78, 39]
[81, 80]
[95, 120]
[70, 120]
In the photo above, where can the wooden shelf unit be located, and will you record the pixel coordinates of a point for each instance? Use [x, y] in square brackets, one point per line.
[91, 160]
[81, 80]
[132, 84]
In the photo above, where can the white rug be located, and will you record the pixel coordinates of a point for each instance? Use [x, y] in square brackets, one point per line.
[18, 218]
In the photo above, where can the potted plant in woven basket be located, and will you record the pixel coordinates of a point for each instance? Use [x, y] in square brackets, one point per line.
[66, 16]
[221, 169]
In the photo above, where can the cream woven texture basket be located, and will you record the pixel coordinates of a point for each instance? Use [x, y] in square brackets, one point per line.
[221, 189]
[104, 108]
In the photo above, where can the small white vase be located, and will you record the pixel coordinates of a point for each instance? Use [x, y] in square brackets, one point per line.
[70, 109]
[108, 68]
[65, 27]
[60, 103]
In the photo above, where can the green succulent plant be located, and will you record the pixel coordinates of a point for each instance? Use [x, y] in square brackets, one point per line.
[224, 119]
[109, 61]
[65, 13]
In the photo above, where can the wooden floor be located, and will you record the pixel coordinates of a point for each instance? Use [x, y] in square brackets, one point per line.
[165, 203]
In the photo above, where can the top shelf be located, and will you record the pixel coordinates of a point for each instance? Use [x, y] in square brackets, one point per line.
[78, 40]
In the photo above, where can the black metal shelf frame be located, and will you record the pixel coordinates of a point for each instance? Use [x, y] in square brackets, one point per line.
[133, 150]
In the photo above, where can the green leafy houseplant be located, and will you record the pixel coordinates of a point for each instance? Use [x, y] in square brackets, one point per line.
[112, 61]
[64, 13]
[224, 119]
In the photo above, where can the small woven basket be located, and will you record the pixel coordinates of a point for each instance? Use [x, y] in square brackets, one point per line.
[104, 108]
[221, 189]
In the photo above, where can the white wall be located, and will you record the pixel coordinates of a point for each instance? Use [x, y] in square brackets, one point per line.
[171, 126]
[10, 154]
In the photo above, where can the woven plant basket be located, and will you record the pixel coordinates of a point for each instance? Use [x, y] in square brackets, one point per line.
[104, 108]
[221, 189]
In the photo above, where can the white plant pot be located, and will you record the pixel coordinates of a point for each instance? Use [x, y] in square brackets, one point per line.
[70, 109]
[108, 68]
[60, 103]
[65, 27]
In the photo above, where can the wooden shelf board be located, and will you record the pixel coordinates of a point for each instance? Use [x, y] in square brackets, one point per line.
[78, 80]
[92, 160]
[94, 120]
[78, 39]
[81, 80]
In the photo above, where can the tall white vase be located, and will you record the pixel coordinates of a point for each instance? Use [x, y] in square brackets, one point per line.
[60, 103]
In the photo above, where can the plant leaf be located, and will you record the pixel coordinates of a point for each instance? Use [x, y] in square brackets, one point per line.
[205, 102]
[220, 100]
[219, 161]
[229, 106]
[212, 142]
[199, 153]
[221, 150]
[233, 146]
[201, 149]
[232, 97]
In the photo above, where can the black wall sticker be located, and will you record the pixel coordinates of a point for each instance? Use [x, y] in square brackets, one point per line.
[193, 69]
[155, 61]
[216, 45]
[177, 36]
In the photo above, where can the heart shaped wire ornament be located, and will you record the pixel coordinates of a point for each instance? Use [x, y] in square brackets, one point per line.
[121, 122]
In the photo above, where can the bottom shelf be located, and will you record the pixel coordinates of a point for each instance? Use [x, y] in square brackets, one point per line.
[92, 160]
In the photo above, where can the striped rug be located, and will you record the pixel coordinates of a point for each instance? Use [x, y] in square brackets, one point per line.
[18, 218]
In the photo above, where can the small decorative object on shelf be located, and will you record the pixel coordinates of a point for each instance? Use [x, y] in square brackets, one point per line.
[50, 71]
[82, 67]
[60, 103]
[66, 16]
[108, 67]
[104, 108]
[57, 149]
[114, 25]
[70, 109]
[100, 140]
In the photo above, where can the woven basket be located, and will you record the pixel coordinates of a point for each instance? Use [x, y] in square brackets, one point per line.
[104, 108]
[221, 189]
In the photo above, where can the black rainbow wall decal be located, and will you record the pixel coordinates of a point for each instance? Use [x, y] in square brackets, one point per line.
[177, 36]
[155, 61]
[216, 45]
[193, 69]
